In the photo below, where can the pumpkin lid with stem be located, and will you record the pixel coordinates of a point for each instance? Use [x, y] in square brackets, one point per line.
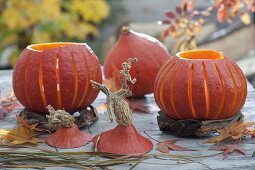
[124, 136]
[202, 54]
[68, 134]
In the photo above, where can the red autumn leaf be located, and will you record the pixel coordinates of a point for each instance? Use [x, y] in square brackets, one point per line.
[138, 105]
[188, 4]
[170, 14]
[162, 147]
[178, 9]
[164, 34]
[10, 106]
[231, 149]
[221, 14]
[168, 145]
[6, 108]
[228, 149]
[3, 112]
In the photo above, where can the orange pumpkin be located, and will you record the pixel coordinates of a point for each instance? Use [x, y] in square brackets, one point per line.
[150, 53]
[56, 74]
[201, 85]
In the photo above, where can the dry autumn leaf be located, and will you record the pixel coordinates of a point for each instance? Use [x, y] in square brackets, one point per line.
[235, 131]
[22, 135]
[168, 145]
[245, 18]
[24, 123]
[3, 112]
[138, 105]
[228, 149]
[111, 84]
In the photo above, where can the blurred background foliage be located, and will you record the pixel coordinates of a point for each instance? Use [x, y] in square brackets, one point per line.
[202, 24]
[24, 22]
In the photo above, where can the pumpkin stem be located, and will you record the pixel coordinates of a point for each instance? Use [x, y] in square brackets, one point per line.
[125, 30]
[59, 118]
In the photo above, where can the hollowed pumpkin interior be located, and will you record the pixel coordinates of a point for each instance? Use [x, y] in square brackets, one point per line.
[200, 54]
[47, 46]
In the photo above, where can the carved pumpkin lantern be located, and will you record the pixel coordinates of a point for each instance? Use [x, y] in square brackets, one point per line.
[56, 74]
[201, 85]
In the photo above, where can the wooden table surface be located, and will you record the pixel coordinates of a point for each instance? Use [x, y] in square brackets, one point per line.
[148, 122]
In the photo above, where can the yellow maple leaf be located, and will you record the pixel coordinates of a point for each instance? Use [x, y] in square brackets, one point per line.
[3, 133]
[245, 17]
[234, 131]
[21, 135]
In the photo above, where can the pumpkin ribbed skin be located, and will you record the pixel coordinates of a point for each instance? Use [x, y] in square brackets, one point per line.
[56, 74]
[151, 55]
[201, 86]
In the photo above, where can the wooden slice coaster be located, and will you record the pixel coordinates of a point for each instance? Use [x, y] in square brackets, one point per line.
[83, 118]
[190, 127]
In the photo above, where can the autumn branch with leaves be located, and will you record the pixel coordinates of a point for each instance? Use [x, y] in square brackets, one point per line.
[186, 21]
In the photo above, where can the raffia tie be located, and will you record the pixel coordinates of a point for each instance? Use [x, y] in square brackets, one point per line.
[59, 118]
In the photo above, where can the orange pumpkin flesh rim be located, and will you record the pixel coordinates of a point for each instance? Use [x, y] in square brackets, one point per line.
[200, 55]
[46, 46]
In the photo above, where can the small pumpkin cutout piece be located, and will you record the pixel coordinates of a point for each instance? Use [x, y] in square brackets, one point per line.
[200, 85]
[68, 134]
[123, 139]
[56, 74]
[148, 50]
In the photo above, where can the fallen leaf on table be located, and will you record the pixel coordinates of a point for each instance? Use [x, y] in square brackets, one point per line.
[8, 104]
[168, 145]
[19, 135]
[3, 112]
[235, 130]
[22, 122]
[3, 133]
[228, 149]
[138, 105]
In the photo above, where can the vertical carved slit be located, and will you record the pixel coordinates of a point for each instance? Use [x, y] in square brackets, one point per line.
[93, 63]
[242, 84]
[75, 79]
[223, 92]
[207, 93]
[163, 69]
[58, 83]
[41, 84]
[171, 92]
[87, 80]
[162, 87]
[190, 92]
[25, 79]
[235, 88]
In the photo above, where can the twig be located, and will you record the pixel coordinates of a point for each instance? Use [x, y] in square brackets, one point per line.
[150, 136]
